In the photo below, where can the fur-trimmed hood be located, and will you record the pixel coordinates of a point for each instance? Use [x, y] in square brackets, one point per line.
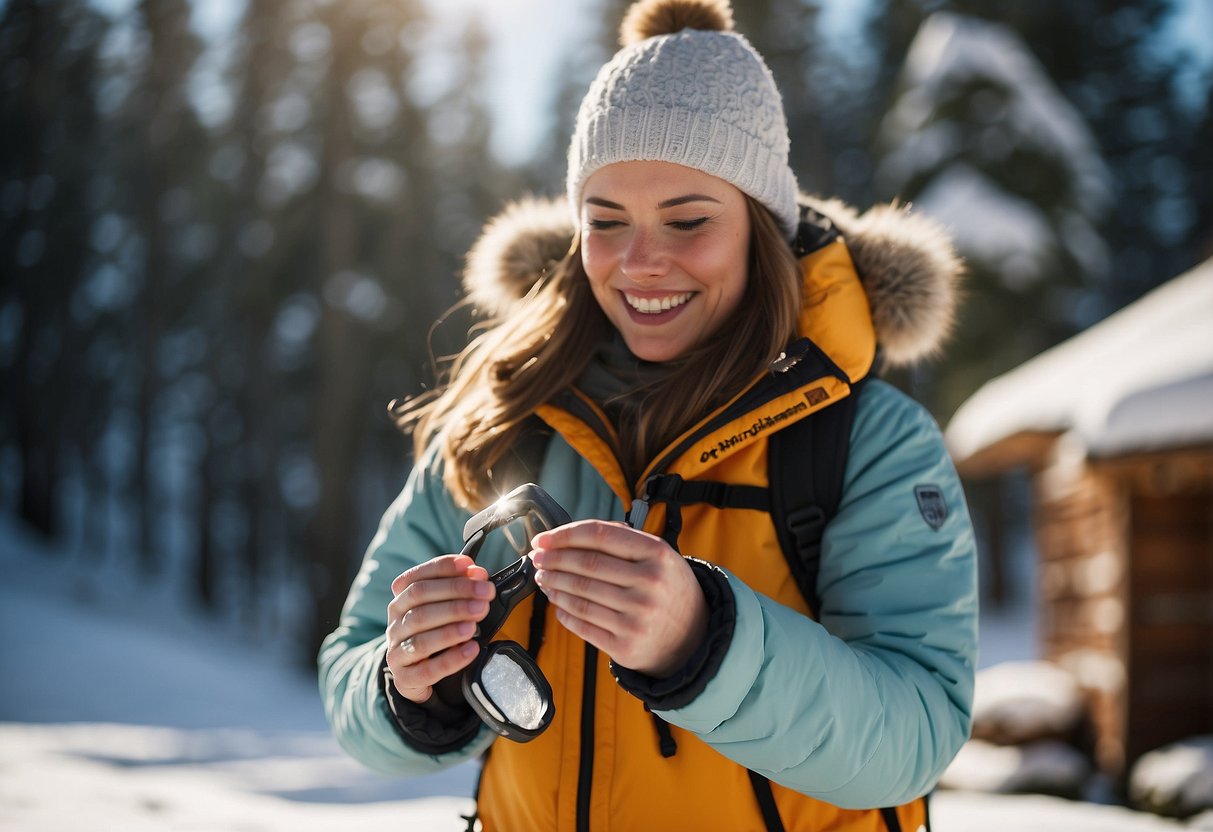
[908, 266]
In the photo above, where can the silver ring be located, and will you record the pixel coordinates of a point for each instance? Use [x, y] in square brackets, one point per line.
[407, 645]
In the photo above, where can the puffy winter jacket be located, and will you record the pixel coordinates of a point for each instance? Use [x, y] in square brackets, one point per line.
[857, 705]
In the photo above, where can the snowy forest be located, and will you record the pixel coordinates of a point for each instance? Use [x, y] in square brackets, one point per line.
[223, 250]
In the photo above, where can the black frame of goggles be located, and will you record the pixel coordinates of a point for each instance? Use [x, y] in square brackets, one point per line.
[514, 584]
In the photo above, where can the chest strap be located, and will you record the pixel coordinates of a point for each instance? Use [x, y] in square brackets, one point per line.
[676, 492]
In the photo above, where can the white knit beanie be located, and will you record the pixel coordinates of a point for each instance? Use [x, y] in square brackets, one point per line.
[688, 90]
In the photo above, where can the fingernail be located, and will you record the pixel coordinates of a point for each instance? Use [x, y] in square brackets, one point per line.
[537, 558]
[482, 589]
[478, 607]
[541, 575]
[466, 628]
[469, 649]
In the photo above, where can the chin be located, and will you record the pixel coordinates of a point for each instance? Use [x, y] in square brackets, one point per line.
[654, 353]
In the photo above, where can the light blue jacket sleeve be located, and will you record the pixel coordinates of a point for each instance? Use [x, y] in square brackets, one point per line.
[420, 524]
[867, 707]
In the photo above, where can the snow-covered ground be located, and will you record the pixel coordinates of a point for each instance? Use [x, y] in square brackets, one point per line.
[120, 710]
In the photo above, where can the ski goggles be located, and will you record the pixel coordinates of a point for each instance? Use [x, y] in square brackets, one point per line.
[504, 685]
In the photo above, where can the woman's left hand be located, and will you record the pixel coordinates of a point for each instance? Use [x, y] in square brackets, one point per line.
[624, 591]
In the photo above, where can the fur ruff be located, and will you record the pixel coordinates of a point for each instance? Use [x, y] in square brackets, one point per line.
[906, 261]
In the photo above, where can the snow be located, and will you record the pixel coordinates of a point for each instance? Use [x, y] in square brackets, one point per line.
[122, 706]
[990, 223]
[951, 51]
[977, 812]
[1140, 380]
[975, 97]
[1176, 779]
[1016, 702]
[1044, 766]
[122, 709]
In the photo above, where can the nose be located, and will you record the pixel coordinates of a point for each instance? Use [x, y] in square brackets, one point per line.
[644, 258]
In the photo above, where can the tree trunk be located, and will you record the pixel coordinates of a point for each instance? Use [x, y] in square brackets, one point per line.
[205, 556]
[343, 363]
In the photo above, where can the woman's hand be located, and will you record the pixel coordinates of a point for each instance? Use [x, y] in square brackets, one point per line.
[624, 591]
[431, 621]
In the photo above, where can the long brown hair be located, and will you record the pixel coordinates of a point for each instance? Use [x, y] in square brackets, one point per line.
[543, 342]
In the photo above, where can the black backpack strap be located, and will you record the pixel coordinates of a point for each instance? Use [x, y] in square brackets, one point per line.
[474, 816]
[774, 823]
[766, 802]
[806, 465]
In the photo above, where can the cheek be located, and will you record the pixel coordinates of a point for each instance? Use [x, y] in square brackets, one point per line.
[725, 268]
[597, 269]
[595, 261]
[732, 278]
[732, 291]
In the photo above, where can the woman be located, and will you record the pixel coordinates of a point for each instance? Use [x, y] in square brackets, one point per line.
[662, 331]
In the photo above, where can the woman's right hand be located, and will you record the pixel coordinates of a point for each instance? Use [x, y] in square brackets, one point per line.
[431, 620]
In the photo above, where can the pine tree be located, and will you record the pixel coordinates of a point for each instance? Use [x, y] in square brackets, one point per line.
[248, 281]
[980, 137]
[158, 145]
[1105, 59]
[361, 113]
[49, 135]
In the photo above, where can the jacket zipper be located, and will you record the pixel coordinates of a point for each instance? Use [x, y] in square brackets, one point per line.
[585, 774]
[589, 416]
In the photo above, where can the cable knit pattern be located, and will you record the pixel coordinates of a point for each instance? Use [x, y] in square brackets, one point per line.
[703, 99]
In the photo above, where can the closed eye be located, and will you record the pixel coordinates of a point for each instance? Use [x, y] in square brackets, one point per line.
[600, 225]
[689, 225]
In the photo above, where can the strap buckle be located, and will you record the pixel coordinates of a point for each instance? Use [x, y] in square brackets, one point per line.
[806, 525]
[663, 487]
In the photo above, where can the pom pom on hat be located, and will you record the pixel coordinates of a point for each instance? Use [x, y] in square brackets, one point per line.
[688, 90]
[650, 18]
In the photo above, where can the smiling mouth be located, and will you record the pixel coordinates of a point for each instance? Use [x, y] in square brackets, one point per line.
[653, 306]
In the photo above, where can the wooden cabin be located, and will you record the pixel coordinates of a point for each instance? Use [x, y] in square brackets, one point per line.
[1115, 427]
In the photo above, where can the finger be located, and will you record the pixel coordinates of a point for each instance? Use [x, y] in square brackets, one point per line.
[447, 566]
[419, 647]
[432, 616]
[589, 563]
[572, 582]
[617, 539]
[414, 681]
[588, 611]
[588, 632]
[438, 590]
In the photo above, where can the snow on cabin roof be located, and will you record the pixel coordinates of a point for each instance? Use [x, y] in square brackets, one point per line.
[1140, 380]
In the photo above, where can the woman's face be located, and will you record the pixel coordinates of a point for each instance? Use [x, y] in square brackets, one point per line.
[666, 249]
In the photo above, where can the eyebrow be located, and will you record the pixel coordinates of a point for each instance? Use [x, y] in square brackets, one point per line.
[669, 203]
